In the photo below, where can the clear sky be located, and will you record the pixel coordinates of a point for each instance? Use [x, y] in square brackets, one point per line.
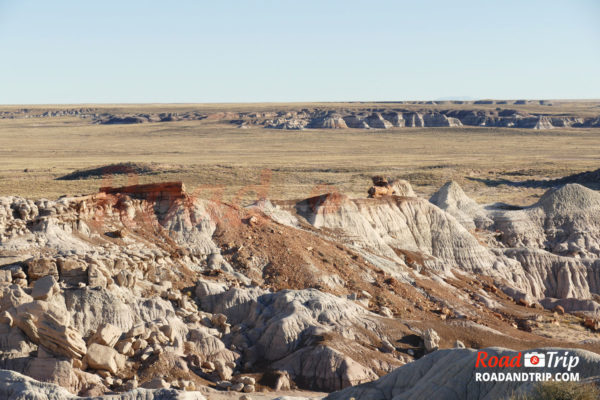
[248, 51]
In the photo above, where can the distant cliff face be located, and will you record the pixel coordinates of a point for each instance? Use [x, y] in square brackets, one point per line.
[514, 114]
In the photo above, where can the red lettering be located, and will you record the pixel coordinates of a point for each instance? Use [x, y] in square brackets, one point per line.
[493, 361]
[504, 362]
[481, 356]
[516, 360]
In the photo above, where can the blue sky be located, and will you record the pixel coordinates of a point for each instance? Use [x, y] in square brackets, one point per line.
[250, 51]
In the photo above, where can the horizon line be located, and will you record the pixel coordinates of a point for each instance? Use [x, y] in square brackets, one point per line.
[303, 102]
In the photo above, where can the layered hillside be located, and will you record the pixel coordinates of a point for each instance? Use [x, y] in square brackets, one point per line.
[146, 288]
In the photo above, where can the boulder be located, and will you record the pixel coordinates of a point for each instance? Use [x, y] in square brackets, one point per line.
[98, 276]
[223, 370]
[104, 358]
[40, 267]
[380, 191]
[431, 340]
[45, 287]
[72, 270]
[46, 324]
[106, 335]
[246, 380]
[124, 347]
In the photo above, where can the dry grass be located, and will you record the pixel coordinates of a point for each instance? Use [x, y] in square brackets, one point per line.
[212, 153]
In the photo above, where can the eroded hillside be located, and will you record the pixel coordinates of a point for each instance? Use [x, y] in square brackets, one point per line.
[148, 286]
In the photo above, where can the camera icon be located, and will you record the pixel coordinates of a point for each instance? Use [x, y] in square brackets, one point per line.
[535, 360]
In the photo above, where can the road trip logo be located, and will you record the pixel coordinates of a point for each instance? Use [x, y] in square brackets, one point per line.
[526, 367]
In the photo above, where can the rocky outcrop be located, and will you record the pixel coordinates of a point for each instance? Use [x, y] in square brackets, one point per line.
[282, 325]
[376, 121]
[154, 192]
[47, 324]
[328, 121]
[383, 186]
[323, 368]
[437, 120]
[395, 118]
[555, 276]
[400, 118]
[329, 291]
[356, 122]
[282, 320]
[412, 224]
[16, 386]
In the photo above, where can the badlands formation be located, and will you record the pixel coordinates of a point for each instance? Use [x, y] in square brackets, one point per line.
[538, 115]
[146, 292]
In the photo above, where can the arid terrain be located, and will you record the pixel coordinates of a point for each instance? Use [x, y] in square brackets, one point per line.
[322, 251]
[37, 151]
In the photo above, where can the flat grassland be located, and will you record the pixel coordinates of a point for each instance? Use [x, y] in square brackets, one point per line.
[34, 152]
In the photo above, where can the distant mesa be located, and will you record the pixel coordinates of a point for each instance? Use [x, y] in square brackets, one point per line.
[381, 118]
[589, 179]
[119, 169]
[129, 119]
[115, 119]
[523, 114]
[583, 178]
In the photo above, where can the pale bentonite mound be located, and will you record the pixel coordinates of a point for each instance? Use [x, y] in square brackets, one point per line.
[556, 240]
[565, 221]
[450, 375]
[453, 200]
